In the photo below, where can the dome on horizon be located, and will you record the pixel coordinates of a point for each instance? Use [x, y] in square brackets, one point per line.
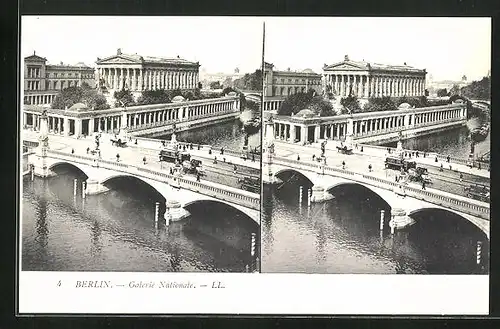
[307, 71]
[78, 107]
[178, 98]
[404, 106]
[305, 113]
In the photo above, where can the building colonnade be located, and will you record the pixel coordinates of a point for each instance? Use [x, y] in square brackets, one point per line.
[138, 79]
[337, 129]
[367, 85]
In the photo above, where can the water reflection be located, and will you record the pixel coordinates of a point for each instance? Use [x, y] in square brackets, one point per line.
[116, 231]
[343, 236]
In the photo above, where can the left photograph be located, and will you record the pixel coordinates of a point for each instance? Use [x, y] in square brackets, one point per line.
[141, 144]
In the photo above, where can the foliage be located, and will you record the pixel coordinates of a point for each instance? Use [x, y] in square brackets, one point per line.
[297, 102]
[455, 90]
[200, 85]
[426, 92]
[215, 85]
[251, 105]
[154, 97]
[85, 85]
[442, 92]
[350, 105]
[72, 95]
[250, 81]
[125, 97]
[478, 89]
[381, 104]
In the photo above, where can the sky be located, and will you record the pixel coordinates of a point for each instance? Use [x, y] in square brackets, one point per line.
[446, 47]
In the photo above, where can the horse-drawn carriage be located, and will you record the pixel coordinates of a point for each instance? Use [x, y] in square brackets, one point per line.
[419, 174]
[193, 166]
[118, 142]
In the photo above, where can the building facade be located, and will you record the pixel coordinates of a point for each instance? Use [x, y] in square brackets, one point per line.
[284, 83]
[138, 73]
[42, 81]
[365, 80]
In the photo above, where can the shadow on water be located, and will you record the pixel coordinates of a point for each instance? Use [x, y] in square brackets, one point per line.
[116, 230]
[343, 236]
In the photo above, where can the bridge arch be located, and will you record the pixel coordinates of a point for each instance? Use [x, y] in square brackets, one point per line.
[366, 187]
[220, 202]
[80, 168]
[308, 176]
[471, 221]
[127, 176]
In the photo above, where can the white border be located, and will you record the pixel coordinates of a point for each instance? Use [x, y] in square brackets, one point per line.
[256, 294]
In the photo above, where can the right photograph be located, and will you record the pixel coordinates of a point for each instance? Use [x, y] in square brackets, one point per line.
[376, 145]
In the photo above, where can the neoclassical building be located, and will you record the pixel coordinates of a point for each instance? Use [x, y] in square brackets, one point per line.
[364, 79]
[42, 81]
[137, 73]
[285, 83]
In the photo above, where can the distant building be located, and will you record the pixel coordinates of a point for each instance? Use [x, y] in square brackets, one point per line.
[364, 79]
[285, 83]
[42, 81]
[138, 73]
[433, 86]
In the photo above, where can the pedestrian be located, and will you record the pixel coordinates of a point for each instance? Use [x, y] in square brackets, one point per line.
[88, 150]
[314, 156]
[396, 178]
[423, 185]
[224, 159]
[436, 159]
[461, 177]
[222, 151]
[416, 154]
[72, 151]
[356, 146]
[184, 147]
[253, 157]
[448, 159]
[450, 166]
[343, 164]
[199, 147]
[163, 143]
[197, 176]
[99, 154]
[117, 157]
[215, 160]
[171, 171]
[479, 165]
[370, 167]
[210, 151]
[144, 160]
[425, 154]
[235, 168]
[441, 167]
[135, 141]
[361, 148]
[298, 157]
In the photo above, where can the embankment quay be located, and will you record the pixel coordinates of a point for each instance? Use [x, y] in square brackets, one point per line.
[141, 120]
[372, 127]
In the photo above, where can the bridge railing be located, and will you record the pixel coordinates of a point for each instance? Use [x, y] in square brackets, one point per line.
[228, 194]
[431, 197]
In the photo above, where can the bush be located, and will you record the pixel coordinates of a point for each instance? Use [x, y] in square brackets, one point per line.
[72, 95]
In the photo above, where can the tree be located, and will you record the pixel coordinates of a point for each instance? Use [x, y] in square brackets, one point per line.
[85, 85]
[215, 85]
[123, 96]
[442, 92]
[252, 81]
[154, 97]
[350, 104]
[72, 95]
[455, 90]
[321, 107]
[200, 85]
[295, 103]
[227, 90]
[478, 89]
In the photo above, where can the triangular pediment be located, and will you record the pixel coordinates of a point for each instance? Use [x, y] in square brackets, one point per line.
[118, 59]
[345, 66]
[35, 58]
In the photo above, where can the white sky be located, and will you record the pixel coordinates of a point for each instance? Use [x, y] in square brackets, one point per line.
[220, 44]
[446, 47]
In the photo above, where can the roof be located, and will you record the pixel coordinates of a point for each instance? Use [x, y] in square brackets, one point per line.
[364, 65]
[146, 59]
[35, 58]
[305, 113]
[404, 106]
[78, 107]
[178, 98]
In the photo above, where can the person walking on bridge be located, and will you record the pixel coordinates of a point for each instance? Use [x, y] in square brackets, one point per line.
[117, 157]
[370, 167]
[423, 185]
[343, 164]
[88, 150]
[235, 169]
[222, 151]
[314, 156]
[298, 157]
[197, 176]
[144, 160]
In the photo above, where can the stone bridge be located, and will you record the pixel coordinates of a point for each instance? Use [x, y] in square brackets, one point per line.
[412, 200]
[178, 192]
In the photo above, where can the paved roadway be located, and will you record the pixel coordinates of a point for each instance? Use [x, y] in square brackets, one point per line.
[446, 182]
[222, 173]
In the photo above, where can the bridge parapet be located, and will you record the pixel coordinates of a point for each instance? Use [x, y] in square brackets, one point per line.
[226, 193]
[455, 204]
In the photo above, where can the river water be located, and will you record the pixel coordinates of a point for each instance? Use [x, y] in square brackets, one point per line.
[116, 231]
[229, 135]
[343, 235]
